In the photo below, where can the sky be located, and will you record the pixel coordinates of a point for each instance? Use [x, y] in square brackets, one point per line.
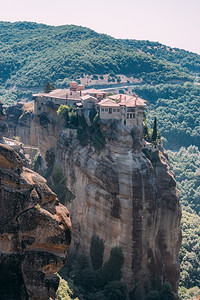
[175, 23]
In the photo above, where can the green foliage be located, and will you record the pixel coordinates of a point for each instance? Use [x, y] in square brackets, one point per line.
[184, 58]
[48, 87]
[189, 294]
[115, 290]
[155, 132]
[94, 284]
[113, 267]
[165, 293]
[98, 140]
[92, 134]
[36, 162]
[63, 112]
[186, 166]
[69, 114]
[66, 290]
[56, 182]
[177, 111]
[96, 252]
[61, 53]
[153, 156]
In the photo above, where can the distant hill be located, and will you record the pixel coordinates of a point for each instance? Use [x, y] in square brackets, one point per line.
[32, 54]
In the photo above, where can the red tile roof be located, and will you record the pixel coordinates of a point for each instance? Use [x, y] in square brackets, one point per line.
[86, 97]
[108, 102]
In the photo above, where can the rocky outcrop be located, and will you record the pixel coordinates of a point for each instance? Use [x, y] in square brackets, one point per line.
[122, 197]
[126, 200]
[38, 131]
[35, 232]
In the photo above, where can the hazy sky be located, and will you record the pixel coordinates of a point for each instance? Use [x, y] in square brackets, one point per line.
[175, 23]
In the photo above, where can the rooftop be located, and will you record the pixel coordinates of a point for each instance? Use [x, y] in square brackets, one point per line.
[108, 102]
[94, 91]
[86, 97]
[129, 101]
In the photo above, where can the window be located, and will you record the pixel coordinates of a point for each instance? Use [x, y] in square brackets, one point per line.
[110, 110]
[131, 109]
[118, 110]
[39, 108]
[41, 103]
[102, 109]
[114, 109]
[127, 116]
[131, 116]
[106, 109]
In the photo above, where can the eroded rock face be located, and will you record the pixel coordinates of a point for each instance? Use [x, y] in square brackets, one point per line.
[35, 232]
[122, 197]
[128, 202]
[38, 131]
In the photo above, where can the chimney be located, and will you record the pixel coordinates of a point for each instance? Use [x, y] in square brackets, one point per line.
[73, 86]
[120, 97]
[136, 97]
[66, 96]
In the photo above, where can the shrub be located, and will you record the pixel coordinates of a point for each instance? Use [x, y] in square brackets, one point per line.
[115, 290]
[152, 156]
[63, 112]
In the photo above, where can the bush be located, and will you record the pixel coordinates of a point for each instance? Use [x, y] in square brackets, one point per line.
[63, 112]
[165, 293]
[152, 156]
[115, 290]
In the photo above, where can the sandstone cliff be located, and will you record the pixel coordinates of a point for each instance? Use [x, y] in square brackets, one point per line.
[122, 197]
[41, 132]
[127, 201]
[35, 232]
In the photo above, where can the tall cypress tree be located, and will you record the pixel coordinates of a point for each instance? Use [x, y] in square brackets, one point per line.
[155, 132]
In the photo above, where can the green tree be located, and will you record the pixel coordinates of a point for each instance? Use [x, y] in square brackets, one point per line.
[63, 112]
[113, 267]
[155, 132]
[96, 252]
[48, 87]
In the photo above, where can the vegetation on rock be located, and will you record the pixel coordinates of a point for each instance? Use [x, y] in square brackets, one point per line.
[186, 166]
[90, 284]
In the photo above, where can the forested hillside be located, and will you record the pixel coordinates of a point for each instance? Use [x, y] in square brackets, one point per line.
[177, 111]
[32, 54]
[186, 166]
